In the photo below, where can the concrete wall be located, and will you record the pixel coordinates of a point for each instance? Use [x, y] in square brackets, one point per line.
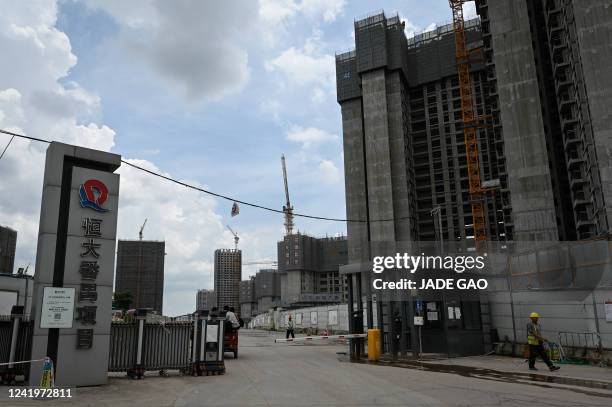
[355, 180]
[303, 320]
[593, 20]
[525, 144]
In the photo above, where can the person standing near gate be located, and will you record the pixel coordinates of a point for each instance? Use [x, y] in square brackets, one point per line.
[290, 328]
[536, 343]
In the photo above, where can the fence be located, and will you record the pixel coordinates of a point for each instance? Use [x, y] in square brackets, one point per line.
[136, 347]
[15, 346]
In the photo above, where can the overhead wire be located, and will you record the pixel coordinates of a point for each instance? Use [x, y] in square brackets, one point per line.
[215, 194]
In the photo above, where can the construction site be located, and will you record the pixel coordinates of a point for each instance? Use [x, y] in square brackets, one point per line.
[488, 135]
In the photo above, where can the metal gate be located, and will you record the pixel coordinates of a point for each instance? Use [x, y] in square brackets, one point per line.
[138, 346]
[15, 346]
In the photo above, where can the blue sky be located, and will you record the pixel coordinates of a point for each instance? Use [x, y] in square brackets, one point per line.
[208, 92]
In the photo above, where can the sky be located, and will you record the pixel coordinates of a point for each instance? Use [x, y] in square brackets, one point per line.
[210, 93]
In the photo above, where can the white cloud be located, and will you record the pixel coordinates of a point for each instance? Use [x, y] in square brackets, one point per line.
[199, 47]
[410, 29]
[329, 173]
[307, 66]
[36, 101]
[469, 10]
[310, 136]
[328, 9]
[277, 11]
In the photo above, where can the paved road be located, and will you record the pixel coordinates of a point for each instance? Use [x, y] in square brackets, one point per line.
[267, 374]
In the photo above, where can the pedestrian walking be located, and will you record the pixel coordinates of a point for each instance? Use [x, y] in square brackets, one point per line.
[536, 343]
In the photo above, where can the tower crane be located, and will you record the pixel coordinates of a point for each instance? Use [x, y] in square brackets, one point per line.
[471, 122]
[287, 208]
[141, 229]
[236, 238]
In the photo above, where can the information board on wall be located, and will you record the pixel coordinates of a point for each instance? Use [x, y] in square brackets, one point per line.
[57, 307]
[333, 317]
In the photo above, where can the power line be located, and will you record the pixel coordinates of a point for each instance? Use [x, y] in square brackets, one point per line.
[7, 146]
[228, 198]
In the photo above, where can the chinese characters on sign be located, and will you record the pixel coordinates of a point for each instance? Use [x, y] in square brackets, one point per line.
[89, 269]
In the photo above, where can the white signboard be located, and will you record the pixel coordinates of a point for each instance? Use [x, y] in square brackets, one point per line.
[418, 321]
[333, 317]
[57, 307]
[313, 318]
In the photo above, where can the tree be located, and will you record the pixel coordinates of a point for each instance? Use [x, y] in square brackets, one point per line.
[122, 300]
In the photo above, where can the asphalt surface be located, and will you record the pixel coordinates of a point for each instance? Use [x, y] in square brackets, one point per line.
[268, 374]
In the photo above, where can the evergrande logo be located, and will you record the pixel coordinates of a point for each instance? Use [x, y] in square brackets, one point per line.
[92, 194]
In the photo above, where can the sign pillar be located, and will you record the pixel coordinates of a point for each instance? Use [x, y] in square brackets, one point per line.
[73, 284]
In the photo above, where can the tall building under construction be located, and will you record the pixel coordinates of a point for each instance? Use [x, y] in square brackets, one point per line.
[541, 79]
[140, 271]
[228, 272]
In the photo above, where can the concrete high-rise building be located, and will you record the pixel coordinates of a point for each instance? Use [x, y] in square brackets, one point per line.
[548, 81]
[228, 272]
[403, 137]
[8, 245]
[206, 300]
[267, 289]
[140, 271]
[309, 269]
[543, 84]
[248, 300]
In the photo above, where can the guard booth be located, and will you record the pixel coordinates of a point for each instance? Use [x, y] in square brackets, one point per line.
[208, 344]
[454, 323]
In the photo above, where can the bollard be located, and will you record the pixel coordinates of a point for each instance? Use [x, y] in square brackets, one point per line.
[373, 345]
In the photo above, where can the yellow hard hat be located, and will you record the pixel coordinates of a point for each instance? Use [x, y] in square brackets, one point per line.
[534, 315]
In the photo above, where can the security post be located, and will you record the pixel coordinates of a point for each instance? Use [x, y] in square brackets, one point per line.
[211, 353]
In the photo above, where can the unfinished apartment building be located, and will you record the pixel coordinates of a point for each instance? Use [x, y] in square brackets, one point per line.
[540, 74]
[548, 71]
[403, 136]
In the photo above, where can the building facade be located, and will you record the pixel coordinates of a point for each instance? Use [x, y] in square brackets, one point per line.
[309, 269]
[8, 246]
[248, 300]
[205, 299]
[140, 271]
[538, 78]
[548, 79]
[228, 273]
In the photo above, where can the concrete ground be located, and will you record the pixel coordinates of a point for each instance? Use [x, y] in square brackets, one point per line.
[268, 374]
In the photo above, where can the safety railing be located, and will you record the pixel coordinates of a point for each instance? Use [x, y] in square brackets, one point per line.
[581, 345]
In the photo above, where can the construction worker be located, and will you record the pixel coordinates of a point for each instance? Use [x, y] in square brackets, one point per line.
[536, 342]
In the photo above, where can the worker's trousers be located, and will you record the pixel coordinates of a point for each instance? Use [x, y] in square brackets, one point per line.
[290, 332]
[538, 350]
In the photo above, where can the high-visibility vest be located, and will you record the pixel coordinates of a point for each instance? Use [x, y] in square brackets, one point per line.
[532, 339]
